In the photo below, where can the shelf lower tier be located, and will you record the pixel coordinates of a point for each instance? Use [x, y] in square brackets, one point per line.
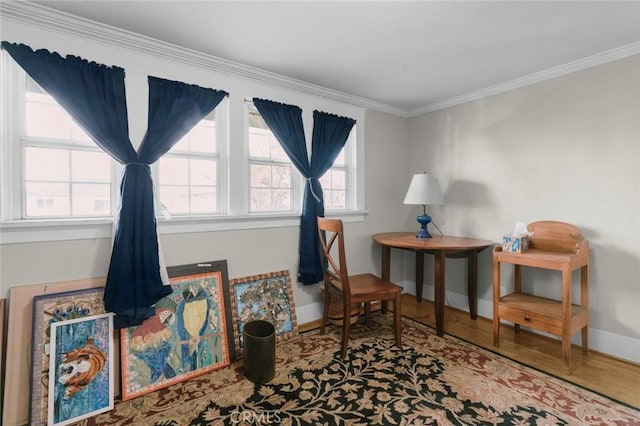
[541, 313]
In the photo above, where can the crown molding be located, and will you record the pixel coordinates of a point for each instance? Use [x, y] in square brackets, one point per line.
[53, 20]
[43, 17]
[578, 65]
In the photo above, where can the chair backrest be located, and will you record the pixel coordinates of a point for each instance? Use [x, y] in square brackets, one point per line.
[332, 244]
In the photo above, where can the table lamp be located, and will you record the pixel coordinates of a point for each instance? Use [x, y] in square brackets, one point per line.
[424, 189]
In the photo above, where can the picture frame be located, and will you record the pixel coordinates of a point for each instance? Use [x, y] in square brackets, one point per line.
[47, 309]
[263, 297]
[190, 334]
[81, 368]
[19, 330]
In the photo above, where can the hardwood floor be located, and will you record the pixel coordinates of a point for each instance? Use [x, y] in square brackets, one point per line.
[601, 373]
[604, 374]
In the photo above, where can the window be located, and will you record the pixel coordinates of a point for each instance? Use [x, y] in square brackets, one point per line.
[188, 173]
[270, 170]
[65, 173]
[273, 188]
[57, 184]
[334, 184]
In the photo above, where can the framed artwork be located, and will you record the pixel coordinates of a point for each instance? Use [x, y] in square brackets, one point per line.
[49, 309]
[266, 297]
[81, 369]
[189, 335]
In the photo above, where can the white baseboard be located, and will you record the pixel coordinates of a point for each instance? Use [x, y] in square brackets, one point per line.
[309, 313]
[599, 340]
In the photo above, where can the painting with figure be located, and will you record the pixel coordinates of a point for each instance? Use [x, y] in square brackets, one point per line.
[188, 335]
[81, 382]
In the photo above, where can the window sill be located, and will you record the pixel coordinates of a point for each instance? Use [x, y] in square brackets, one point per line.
[31, 231]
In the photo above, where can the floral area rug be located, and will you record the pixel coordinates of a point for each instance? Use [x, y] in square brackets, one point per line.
[432, 380]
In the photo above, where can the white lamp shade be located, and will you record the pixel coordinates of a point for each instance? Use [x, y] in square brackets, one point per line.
[424, 190]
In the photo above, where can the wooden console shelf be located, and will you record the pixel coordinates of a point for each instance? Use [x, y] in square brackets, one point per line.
[556, 246]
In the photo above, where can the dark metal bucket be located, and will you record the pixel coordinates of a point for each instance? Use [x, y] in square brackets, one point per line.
[259, 341]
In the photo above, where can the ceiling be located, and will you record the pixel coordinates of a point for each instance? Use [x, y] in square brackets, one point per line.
[406, 55]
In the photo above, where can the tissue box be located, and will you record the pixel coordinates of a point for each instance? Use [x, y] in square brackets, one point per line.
[515, 243]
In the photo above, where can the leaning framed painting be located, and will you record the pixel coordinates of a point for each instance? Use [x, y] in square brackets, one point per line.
[189, 335]
[266, 297]
[49, 309]
[81, 369]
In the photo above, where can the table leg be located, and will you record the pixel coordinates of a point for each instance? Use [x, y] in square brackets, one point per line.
[439, 262]
[419, 274]
[385, 262]
[472, 283]
[386, 271]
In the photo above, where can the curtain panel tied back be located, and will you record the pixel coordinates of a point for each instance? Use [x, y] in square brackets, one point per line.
[94, 96]
[330, 133]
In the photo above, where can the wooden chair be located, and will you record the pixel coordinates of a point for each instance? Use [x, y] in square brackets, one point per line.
[355, 289]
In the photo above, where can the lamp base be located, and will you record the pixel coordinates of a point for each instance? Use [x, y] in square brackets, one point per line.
[423, 220]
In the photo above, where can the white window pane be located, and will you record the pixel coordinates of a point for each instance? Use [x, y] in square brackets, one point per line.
[277, 153]
[79, 135]
[260, 175]
[182, 145]
[256, 120]
[281, 177]
[325, 180]
[281, 200]
[46, 164]
[202, 137]
[338, 199]
[89, 166]
[340, 159]
[260, 200]
[338, 179]
[34, 90]
[49, 121]
[47, 199]
[175, 198]
[259, 144]
[203, 200]
[91, 199]
[174, 171]
[203, 172]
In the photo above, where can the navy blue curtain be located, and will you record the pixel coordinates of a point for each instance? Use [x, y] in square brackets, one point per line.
[134, 282]
[330, 133]
[94, 95]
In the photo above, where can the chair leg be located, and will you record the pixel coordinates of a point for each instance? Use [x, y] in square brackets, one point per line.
[367, 314]
[396, 320]
[326, 299]
[346, 324]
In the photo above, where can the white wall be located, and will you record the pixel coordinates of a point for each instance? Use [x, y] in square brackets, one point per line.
[565, 149]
